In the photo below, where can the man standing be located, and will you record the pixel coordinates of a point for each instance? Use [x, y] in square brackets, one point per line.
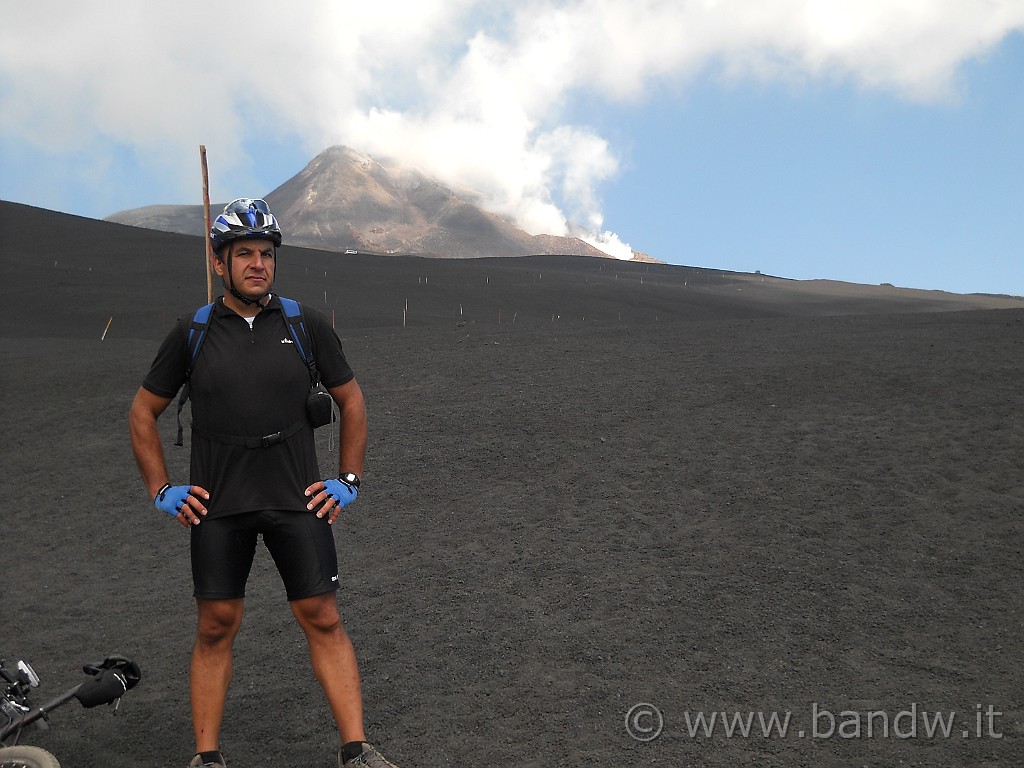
[254, 470]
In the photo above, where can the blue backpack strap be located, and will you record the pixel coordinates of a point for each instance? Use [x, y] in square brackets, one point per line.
[297, 327]
[197, 333]
[304, 346]
[196, 336]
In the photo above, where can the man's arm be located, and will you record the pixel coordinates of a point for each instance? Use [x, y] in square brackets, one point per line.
[352, 454]
[149, 453]
[352, 433]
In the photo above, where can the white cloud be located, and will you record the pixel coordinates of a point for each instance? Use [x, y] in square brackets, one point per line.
[476, 92]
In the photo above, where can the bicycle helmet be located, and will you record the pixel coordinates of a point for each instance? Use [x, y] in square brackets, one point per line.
[244, 218]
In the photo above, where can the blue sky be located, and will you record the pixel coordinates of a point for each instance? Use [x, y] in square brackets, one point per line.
[836, 182]
[868, 141]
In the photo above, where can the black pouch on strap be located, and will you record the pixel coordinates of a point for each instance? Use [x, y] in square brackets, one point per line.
[319, 406]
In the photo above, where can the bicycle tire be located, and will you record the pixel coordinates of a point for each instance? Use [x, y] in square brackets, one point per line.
[26, 757]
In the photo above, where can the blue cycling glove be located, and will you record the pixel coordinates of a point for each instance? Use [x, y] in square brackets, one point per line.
[343, 493]
[171, 498]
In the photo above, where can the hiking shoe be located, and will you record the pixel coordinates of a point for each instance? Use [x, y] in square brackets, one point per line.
[368, 758]
[217, 762]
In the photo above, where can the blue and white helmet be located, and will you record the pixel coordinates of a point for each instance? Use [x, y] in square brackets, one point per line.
[244, 218]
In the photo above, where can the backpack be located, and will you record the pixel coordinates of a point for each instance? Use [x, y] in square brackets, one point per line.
[200, 325]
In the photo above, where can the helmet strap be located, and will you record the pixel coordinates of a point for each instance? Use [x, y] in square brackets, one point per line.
[245, 300]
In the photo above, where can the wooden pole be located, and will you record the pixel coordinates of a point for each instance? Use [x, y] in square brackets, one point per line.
[206, 221]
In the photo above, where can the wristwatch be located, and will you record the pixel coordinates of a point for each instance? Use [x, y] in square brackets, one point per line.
[350, 478]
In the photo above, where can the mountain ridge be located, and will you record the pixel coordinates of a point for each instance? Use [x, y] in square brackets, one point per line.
[346, 200]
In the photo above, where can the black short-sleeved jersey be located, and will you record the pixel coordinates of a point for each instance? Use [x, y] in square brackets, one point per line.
[250, 382]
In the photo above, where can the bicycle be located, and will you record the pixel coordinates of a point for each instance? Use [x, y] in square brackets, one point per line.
[108, 681]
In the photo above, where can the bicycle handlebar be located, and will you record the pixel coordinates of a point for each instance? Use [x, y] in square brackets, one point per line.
[108, 681]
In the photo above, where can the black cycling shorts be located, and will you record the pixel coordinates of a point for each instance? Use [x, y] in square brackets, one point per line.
[301, 544]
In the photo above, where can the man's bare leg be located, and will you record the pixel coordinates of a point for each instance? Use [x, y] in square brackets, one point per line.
[210, 673]
[334, 662]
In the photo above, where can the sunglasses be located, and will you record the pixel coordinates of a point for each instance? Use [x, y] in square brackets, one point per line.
[247, 205]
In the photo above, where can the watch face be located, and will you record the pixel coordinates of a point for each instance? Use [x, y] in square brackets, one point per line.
[351, 478]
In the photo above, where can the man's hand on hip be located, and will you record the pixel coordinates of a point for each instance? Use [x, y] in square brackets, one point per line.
[184, 502]
[330, 497]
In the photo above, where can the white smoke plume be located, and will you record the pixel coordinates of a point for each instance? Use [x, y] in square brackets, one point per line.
[478, 93]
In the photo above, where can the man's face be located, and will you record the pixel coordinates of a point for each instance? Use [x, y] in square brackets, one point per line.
[252, 266]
